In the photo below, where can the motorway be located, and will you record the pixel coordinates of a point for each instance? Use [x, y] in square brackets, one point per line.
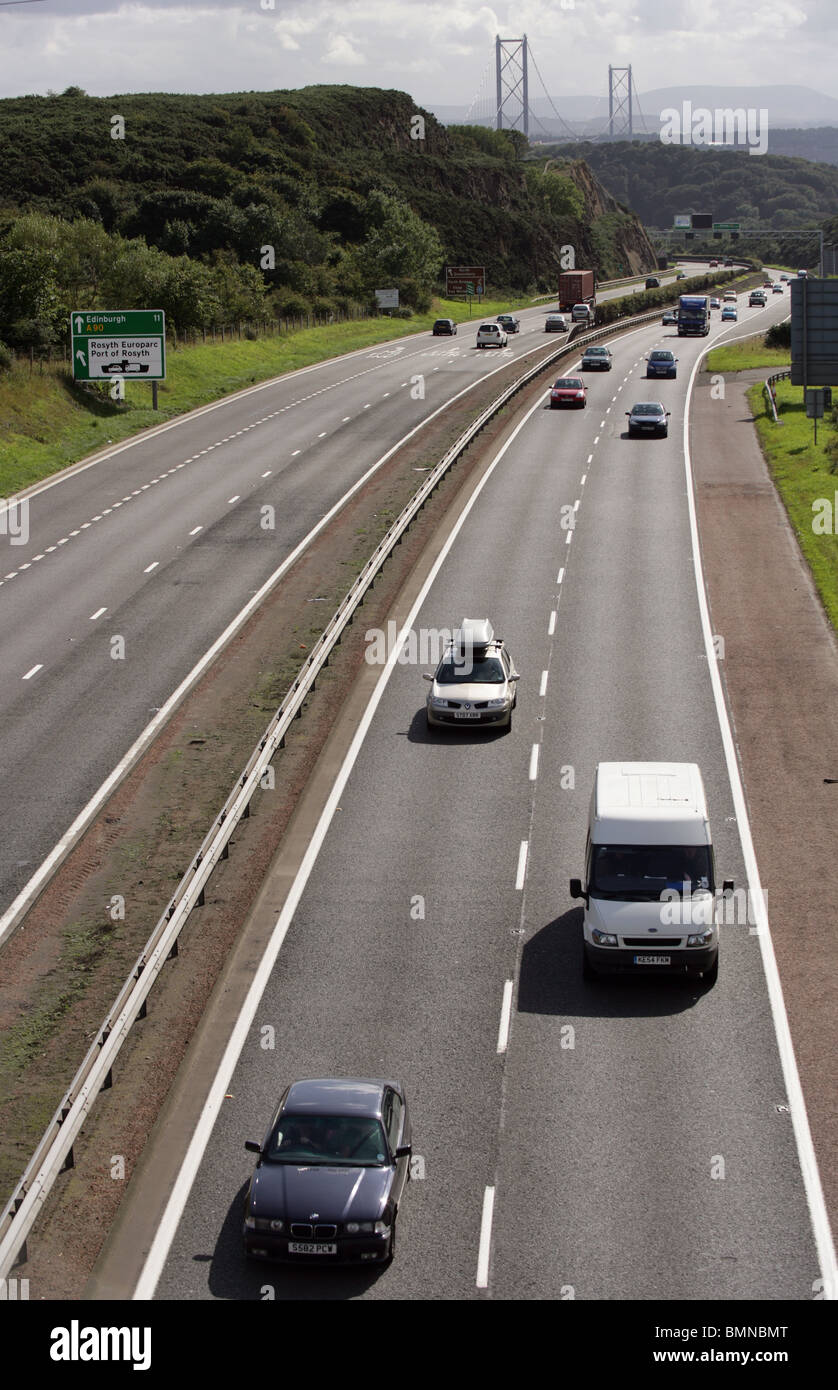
[632, 1136]
[138, 546]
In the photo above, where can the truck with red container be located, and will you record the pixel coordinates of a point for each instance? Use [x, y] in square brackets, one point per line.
[576, 287]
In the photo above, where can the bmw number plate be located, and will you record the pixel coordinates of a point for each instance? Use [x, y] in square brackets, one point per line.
[653, 960]
[310, 1247]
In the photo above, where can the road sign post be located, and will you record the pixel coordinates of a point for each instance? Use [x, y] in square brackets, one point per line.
[115, 344]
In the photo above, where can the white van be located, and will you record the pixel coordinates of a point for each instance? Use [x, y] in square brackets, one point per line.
[650, 884]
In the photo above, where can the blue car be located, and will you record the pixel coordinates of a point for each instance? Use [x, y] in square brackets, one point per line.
[661, 362]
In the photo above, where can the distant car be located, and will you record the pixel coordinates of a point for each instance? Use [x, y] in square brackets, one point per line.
[715, 303]
[509, 322]
[555, 323]
[126, 367]
[777, 289]
[785, 277]
[652, 282]
[475, 682]
[568, 390]
[648, 417]
[671, 316]
[756, 299]
[727, 263]
[491, 335]
[330, 1174]
[768, 284]
[730, 314]
[661, 362]
[712, 263]
[682, 275]
[583, 313]
[597, 359]
[729, 296]
[443, 327]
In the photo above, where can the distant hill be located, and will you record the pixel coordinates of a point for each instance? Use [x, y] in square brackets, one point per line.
[787, 106]
[659, 181]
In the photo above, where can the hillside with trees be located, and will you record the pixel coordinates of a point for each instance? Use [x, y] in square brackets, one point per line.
[252, 205]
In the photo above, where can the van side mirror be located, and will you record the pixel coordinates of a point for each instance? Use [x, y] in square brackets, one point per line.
[577, 891]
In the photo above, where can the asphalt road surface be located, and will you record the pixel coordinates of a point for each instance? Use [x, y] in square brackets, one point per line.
[630, 1131]
[139, 547]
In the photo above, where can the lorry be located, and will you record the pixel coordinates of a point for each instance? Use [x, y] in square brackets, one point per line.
[693, 315]
[576, 287]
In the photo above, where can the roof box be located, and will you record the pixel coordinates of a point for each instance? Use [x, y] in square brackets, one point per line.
[473, 633]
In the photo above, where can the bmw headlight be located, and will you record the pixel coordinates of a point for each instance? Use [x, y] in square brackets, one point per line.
[264, 1223]
[354, 1228]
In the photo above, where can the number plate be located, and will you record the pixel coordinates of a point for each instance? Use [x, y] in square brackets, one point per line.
[653, 960]
[310, 1247]
[465, 714]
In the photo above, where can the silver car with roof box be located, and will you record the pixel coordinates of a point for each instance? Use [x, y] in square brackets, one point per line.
[475, 682]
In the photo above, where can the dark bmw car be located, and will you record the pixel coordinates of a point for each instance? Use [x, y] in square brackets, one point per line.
[330, 1174]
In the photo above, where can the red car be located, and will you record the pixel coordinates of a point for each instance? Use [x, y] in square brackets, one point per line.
[568, 390]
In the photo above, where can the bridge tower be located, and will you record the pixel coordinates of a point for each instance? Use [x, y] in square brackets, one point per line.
[619, 102]
[512, 92]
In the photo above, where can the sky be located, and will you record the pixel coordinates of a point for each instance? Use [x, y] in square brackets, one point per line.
[442, 53]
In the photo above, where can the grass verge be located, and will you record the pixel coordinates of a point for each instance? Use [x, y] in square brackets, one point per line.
[803, 473]
[742, 356]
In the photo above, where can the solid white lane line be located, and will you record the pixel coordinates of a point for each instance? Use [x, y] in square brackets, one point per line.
[30, 674]
[542, 689]
[485, 1238]
[505, 1017]
[97, 614]
[522, 865]
[534, 762]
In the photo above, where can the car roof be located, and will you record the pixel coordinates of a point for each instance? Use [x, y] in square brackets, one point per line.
[661, 352]
[337, 1096]
[648, 405]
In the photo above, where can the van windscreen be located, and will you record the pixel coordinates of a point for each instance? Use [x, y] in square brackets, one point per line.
[643, 872]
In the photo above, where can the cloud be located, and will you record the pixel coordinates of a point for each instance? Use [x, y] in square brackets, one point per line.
[341, 50]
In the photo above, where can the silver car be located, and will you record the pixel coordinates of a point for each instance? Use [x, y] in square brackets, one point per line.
[475, 682]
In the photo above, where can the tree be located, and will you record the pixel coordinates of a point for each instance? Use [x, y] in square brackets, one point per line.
[399, 246]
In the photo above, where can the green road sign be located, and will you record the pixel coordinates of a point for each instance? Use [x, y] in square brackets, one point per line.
[113, 343]
[469, 289]
[726, 226]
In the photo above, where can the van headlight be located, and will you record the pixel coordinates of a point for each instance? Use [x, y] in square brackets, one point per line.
[603, 938]
[700, 938]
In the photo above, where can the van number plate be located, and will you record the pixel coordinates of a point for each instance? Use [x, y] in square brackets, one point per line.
[653, 960]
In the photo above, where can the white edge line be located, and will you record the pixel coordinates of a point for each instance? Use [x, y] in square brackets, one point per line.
[505, 1017]
[485, 1238]
[800, 1120]
[161, 1243]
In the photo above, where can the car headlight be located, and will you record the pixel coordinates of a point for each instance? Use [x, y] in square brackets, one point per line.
[264, 1223]
[382, 1228]
[603, 938]
[497, 704]
[354, 1228]
[438, 702]
[700, 938]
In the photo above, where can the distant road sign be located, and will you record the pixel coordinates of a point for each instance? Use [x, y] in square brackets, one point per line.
[682, 220]
[387, 299]
[118, 343]
[726, 226]
[459, 277]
